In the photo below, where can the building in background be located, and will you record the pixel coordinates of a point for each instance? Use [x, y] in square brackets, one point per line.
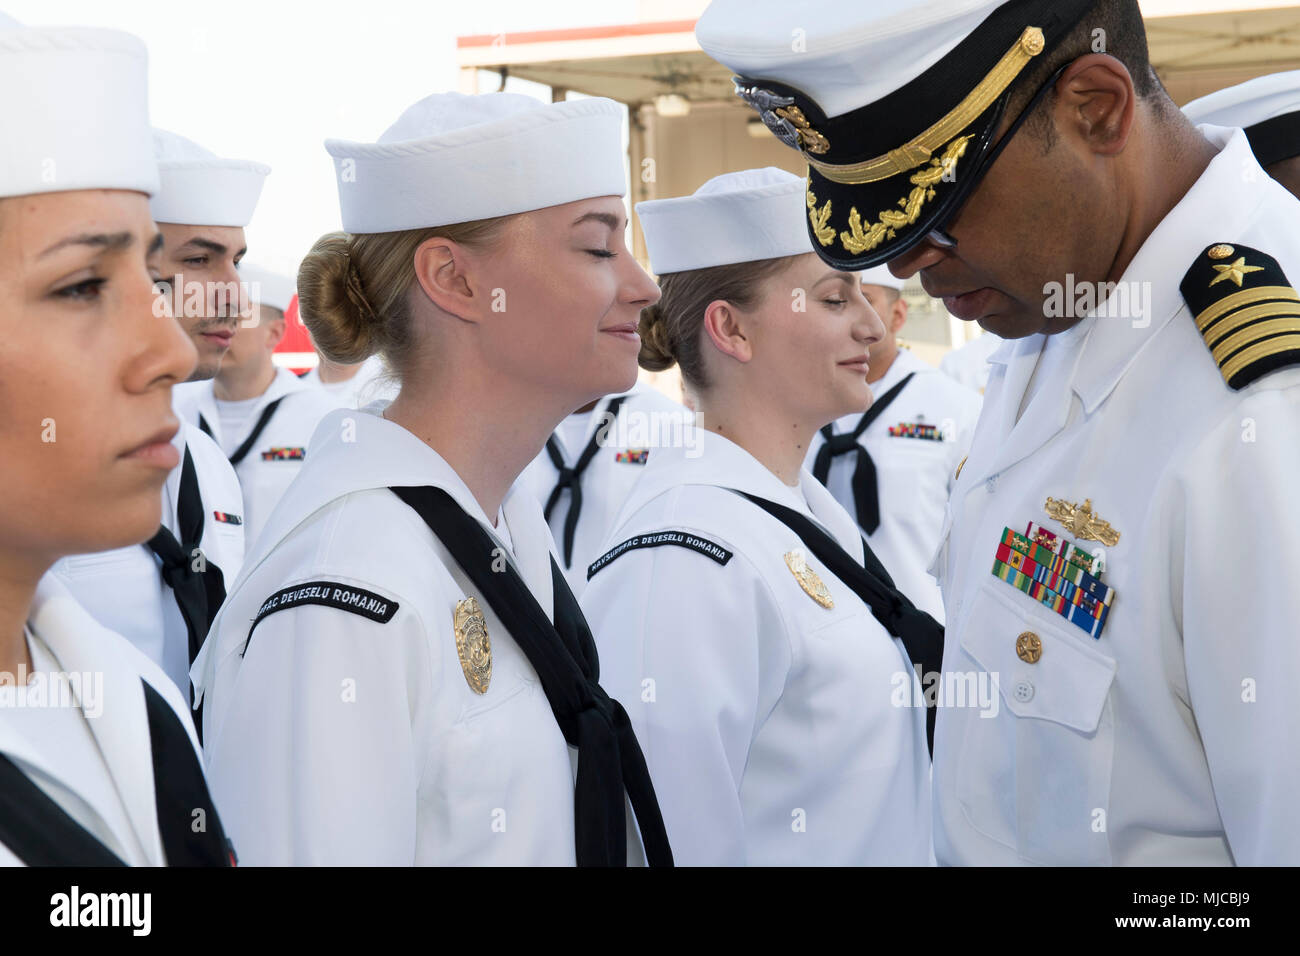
[685, 125]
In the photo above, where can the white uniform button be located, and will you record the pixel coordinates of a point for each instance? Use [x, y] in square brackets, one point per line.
[1024, 691]
[991, 484]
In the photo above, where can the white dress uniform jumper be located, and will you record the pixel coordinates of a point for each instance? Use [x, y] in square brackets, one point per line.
[364, 655]
[269, 453]
[893, 465]
[397, 678]
[765, 692]
[103, 770]
[582, 485]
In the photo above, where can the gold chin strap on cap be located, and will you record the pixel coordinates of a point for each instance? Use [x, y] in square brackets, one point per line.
[919, 150]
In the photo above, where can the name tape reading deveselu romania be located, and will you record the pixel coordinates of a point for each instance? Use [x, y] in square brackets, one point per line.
[344, 597]
[659, 539]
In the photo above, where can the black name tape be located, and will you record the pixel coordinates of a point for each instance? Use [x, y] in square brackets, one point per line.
[659, 539]
[344, 597]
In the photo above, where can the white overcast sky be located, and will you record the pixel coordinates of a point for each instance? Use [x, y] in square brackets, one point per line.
[271, 79]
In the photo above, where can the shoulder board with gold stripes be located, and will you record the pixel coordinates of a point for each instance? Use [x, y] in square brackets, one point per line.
[1246, 309]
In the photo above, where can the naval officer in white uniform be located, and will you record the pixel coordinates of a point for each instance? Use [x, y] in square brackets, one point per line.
[401, 675]
[1117, 545]
[733, 610]
[591, 463]
[893, 466]
[85, 718]
[164, 596]
[261, 416]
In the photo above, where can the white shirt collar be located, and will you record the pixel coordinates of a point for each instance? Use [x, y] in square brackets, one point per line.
[712, 460]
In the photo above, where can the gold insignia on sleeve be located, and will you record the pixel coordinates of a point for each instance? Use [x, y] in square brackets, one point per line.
[808, 580]
[1081, 521]
[1236, 271]
[473, 645]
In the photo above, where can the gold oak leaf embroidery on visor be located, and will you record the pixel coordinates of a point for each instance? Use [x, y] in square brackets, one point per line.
[856, 241]
[818, 217]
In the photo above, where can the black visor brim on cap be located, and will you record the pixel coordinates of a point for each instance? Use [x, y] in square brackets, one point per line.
[881, 177]
[857, 226]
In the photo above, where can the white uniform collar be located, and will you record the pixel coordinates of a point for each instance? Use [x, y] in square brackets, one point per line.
[904, 363]
[283, 384]
[719, 462]
[596, 418]
[359, 450]
[1222, 203]
[194, 399]
[83, 645]
[1219, 204]
[1218, 207]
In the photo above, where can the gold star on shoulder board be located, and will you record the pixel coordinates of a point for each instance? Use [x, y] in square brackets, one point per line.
[1235, 270]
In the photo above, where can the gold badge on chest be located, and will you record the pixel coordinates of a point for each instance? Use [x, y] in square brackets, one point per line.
[473, 645]
[1081, 521]
[808, 580]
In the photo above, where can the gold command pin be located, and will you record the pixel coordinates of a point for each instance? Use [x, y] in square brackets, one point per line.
[808, 580]
[473, 645]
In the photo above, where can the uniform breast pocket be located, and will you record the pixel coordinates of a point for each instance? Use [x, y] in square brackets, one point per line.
[226, 545]
[501, 779]
[1035, 775]
[505, 686]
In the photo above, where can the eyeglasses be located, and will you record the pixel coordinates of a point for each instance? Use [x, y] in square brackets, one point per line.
[938, 235]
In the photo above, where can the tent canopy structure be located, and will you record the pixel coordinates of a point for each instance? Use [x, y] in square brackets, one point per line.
[685, 125]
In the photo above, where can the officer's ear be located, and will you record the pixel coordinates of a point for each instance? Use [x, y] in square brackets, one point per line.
[443, 269]
[725, 329]
[1096, 101]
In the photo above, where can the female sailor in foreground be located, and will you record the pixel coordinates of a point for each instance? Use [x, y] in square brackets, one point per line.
[733, 611]
[98, 758]
[395, 675]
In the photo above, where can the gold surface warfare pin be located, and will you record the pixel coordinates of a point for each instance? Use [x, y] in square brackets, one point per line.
[1081, 521]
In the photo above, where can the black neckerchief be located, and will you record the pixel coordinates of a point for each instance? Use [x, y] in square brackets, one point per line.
[571, 478]
[564, 656]
[922, 635]
[41, 833]
[866, 494]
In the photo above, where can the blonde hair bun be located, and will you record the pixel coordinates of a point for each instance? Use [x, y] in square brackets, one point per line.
[332, 303]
